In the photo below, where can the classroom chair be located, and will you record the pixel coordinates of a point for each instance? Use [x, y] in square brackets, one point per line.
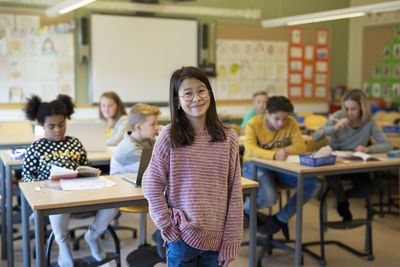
[145, 255]
[392, 201]
[88, 261]
[16, 133]
[341, 225]
[314, 122]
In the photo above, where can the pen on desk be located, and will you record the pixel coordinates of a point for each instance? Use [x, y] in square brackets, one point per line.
[56, 187]
[129, 180]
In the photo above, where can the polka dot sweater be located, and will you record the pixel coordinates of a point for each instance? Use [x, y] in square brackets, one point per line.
[41, 154]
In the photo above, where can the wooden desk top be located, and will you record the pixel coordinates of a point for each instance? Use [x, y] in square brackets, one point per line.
[47, 198]
[297, 168]
[92, 156]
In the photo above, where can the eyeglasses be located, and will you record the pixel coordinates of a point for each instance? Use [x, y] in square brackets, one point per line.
[190, 95]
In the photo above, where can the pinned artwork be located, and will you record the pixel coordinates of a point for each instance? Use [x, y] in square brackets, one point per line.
[296, 35]
[322, 37]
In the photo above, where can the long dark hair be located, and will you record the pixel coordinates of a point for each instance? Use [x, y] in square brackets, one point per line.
[36, 109]
[182, 132]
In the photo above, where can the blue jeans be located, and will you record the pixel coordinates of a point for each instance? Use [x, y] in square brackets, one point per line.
[180, 254]
[267, 196]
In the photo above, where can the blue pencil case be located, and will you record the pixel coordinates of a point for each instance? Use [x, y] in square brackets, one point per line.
[308, 160]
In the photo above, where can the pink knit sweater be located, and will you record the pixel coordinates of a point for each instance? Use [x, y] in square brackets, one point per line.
[194, 192]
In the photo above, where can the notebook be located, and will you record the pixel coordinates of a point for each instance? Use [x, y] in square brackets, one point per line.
[91, 134]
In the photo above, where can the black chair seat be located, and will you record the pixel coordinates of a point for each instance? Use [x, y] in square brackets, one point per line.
[347, 225]
[89, 261]
[144, 256]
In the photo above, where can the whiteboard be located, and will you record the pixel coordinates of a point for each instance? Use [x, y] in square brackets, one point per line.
[135, 56]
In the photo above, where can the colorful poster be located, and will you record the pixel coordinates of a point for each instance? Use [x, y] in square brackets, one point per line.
[247, 66]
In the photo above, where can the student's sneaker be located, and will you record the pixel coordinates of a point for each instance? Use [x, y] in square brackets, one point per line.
[272, 225]
[344, 211]
[95, 248]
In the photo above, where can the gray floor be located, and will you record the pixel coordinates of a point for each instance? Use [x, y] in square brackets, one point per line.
[386, 240]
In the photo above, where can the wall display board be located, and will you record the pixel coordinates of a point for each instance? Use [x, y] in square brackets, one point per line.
[135, 56]
[35, 60]
[247, 66]
[308, 66]
[383, 79]
[282, 61]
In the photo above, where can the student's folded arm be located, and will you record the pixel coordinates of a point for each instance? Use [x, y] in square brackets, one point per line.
[234, 219]
[382, 143]
[29, 168]
[297, 145]
[251, 145]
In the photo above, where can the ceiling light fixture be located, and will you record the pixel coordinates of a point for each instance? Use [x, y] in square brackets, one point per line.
[332, 14]
[66, 6]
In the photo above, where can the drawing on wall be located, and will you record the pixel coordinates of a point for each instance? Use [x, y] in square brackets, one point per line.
[246, 66]
[309, 52]
[35, 62]
[396, 71]
[48, 47]
[308, 72]
[396, 90]
[386, 51]
[376, 72]
[386, 71]
[296, 65]
[322, 37]
[322, 53]
[15, 94]
[396, 51]
[295, 37]
[386, 90]
[296, 52]
[367, 88]
[308, 88]
[376, 90]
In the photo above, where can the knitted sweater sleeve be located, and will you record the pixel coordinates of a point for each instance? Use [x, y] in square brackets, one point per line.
[154, 184]
[234, 218]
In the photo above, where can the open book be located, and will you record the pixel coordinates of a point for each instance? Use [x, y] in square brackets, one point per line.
[355, 156]
[57, 173]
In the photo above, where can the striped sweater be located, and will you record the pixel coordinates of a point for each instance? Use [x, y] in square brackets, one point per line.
[194, 192]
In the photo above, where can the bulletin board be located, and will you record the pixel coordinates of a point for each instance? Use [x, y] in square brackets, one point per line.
[232, 84]
[381, 62]
[35, 58]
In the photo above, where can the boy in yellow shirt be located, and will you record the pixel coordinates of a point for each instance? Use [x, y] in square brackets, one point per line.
[275, 136]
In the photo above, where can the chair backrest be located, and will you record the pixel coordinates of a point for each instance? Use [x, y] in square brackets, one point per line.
[314, 122]
[16, 132]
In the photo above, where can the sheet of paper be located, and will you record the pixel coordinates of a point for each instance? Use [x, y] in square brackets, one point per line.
[86, 183]
[293, 159]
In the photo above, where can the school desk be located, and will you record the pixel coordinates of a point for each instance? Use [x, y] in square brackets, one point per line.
[49, 201]
[7, 165]
[301, 172]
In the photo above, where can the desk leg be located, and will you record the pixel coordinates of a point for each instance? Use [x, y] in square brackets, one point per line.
[253, 227]
[143, 229]
[10, 250]
[299, 219]
[39, 238]
[25, 232]
[3, 213]
[252, 222]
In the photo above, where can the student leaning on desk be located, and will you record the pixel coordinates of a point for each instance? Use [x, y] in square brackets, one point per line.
[275, 135]
[193, 182]
[259, 105]
[112, 112]
[63, 151]
[351, 129]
